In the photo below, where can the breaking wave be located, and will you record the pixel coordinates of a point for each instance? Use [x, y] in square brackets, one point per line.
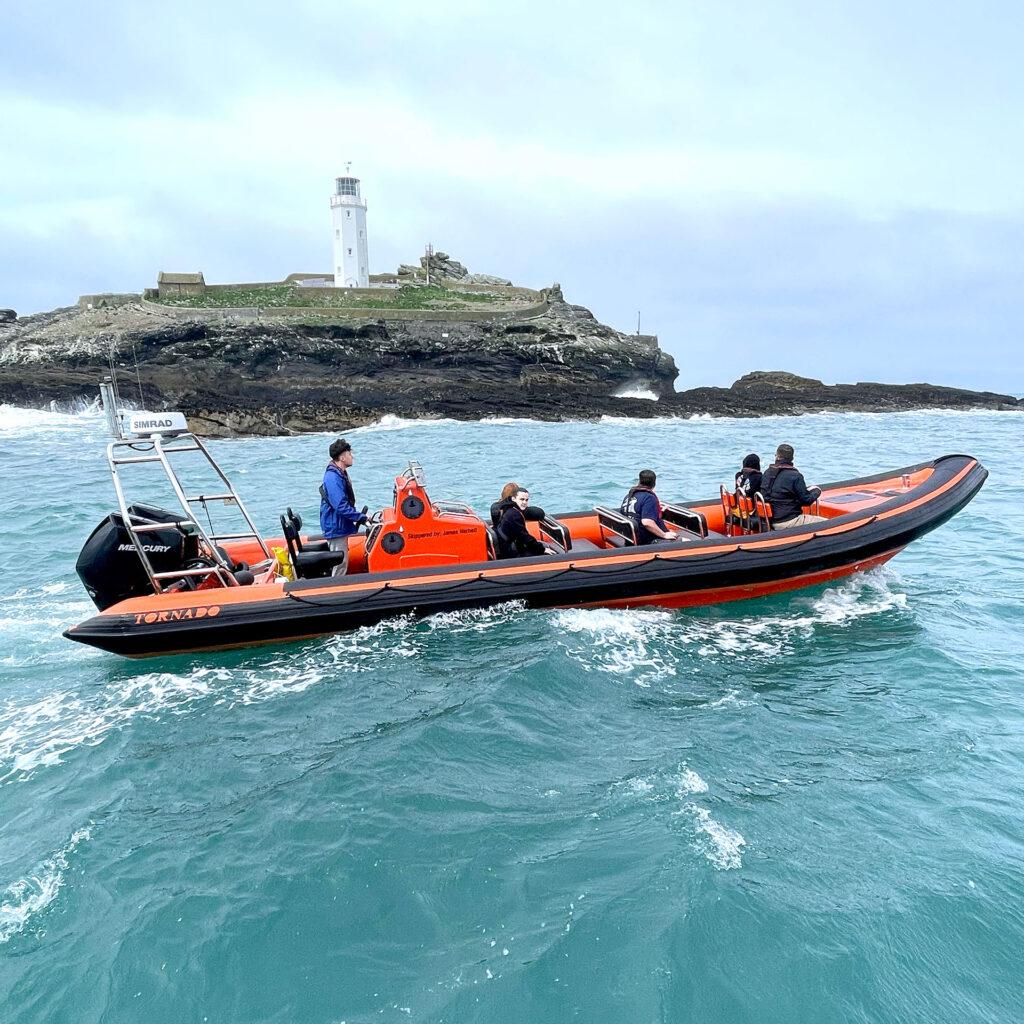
[636, 392]
[679, 791]
[84, 414]
[30, 896]
[390, 422]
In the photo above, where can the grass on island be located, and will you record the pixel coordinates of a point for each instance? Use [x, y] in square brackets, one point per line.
[405, 297]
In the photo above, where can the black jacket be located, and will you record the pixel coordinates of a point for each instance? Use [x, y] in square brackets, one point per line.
[514, 540]
[534, 513]
[784, 489]
[748, 482]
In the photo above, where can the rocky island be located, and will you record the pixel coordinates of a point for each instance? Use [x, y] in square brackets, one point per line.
[296, 356]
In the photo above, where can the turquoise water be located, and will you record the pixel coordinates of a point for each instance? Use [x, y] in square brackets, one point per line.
[806, 808]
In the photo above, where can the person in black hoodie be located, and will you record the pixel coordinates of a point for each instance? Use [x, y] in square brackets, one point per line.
[514, 539]
[784, 489]
[533, 513]
[748, 479]
[748, 483]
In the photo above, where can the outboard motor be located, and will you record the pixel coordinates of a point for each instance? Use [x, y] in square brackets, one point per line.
[110, 567]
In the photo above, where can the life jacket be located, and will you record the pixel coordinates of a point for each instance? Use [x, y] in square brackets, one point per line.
[349, 492]
[342, 519]
[628, 509]
[777, 486]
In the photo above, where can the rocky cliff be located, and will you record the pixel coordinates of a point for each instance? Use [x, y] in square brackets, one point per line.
[274, 376]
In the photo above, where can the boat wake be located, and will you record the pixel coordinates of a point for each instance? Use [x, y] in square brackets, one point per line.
[655, 646]
[43, 732]
[31, 618]
[648, 647]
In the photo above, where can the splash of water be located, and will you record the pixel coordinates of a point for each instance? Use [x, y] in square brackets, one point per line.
[30, 896]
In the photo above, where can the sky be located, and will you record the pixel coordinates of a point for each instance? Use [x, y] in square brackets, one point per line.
[826, 187]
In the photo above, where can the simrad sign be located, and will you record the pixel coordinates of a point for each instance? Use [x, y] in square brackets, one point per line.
[142, 423]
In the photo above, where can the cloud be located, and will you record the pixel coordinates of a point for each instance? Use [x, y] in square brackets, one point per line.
[831, 184]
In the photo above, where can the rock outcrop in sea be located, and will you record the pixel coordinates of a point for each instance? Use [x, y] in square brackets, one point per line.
[275, 375]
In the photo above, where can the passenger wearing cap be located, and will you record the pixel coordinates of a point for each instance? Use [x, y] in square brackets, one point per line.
[339, 518]
[784, 488]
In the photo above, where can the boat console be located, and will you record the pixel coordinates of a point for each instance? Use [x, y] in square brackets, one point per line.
[416, 532]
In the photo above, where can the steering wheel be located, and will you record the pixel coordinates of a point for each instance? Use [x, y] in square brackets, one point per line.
[202, 562]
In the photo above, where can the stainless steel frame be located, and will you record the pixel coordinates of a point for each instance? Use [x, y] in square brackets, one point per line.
[155, 449]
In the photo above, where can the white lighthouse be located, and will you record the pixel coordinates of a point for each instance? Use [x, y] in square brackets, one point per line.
[348, 218]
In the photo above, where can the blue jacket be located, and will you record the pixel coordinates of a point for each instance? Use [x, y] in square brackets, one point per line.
[338, 514]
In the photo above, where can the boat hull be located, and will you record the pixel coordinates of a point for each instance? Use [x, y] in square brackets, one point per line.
[749, 591]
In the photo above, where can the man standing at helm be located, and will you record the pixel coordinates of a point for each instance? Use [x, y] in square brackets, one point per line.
[339, 518]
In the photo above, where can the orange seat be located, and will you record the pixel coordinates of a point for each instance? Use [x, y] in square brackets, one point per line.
[730, 517]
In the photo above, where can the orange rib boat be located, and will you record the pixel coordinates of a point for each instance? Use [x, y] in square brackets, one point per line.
[166, 584]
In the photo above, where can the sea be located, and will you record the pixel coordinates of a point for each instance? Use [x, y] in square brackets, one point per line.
[802, 808]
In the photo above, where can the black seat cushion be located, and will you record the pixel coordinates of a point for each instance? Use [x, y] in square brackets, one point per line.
[313, 564]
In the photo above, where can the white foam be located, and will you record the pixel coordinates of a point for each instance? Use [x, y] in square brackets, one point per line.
[730, 699]
[29, 896]
[639, 786]
[391, 422]
[689, 782]
[622, 642]
[42, 732]
[653, 421]
[31, 618]
[661, 421]
[474, 620]
[722, 845]
[636, 392]
[518, 421]
[15, 420]
[660, 786]
[651, 646]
